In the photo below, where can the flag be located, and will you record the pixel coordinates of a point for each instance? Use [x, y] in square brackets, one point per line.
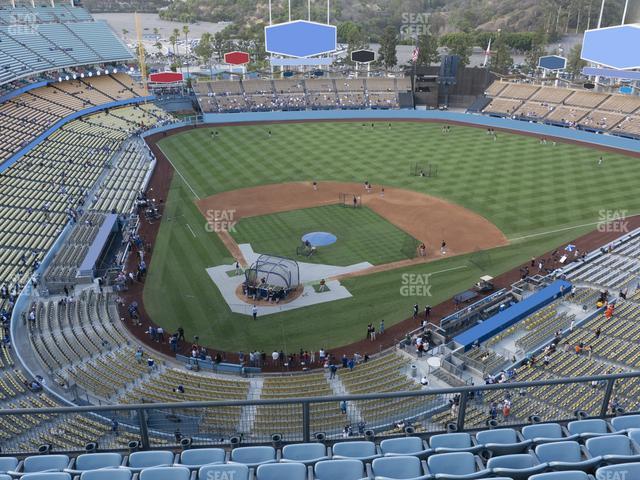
[414, 55]
[487, 53]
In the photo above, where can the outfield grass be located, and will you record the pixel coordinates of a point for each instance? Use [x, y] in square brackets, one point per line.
[363, 235]
[523, 187]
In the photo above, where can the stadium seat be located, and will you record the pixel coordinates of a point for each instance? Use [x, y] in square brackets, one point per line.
[567, 455]
[47, 476]
[282, 471]
[619, 471]
[398, 467]
[197, 457]
[569, 475]
[307, 453]
[634, 434]
[8, 464]
[94, 461]
[49, 463]
[625, 422]
[613, 449]
[159, 458]
[360, 450]
[457, 465]
[236, 471]
[413, 446]
[165, 473]
[253, 456]
[502, 441]
[107, 474]
[518, 466]
[453, 442]
[591, 427]
[545, 433]
[347, 469]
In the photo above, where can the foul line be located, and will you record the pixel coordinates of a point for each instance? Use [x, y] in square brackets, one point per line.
[448, 269]
[191, 230]
[549, 232]
[178, 172]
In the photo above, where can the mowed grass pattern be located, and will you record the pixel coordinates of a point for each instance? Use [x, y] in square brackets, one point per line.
[363, 235]
[520, 185]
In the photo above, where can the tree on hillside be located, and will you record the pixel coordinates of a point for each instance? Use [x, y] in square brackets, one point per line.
[575, 64]
[536, 51]
[353, 35]
[185, 30]
[388, 43]
[204, 49]
[501, 60]
[460, 45]
[219, 44]
[428, 50]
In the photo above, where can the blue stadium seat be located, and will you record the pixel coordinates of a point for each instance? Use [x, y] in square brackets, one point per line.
[570, 475]
[620, 471]
[457, 465]
[47, 476]
[5, 477]
[347, 469]
[307, 453]
[634, 434]
[236, 471]
[502, 441]
[107, 474]
[454, 442]
[94, 461]
[567, 455]
[398, 467]
[413, 446]
[159, 458]
[253, 456]
[625, 422]
[613, 449]
[360, 450]
[8, 464]
[41, 463]
[197, 457]
[545, 433]
[518, 466]
[165, 473]
[591, 427]
[282, 471]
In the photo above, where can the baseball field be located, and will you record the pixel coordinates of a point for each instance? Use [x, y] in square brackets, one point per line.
[513, 198]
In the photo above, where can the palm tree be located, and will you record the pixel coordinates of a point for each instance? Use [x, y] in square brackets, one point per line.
[176, 36]
[185, 30]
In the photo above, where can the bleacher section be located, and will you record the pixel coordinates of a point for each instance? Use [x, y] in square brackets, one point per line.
[614, 113]
[37, 39]
[284, 94]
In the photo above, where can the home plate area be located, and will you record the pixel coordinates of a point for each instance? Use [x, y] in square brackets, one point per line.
[310, 275]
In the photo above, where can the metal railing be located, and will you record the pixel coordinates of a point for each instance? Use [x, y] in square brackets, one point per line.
[162, 425]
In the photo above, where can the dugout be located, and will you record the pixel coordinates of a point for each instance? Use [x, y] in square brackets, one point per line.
[271, 277]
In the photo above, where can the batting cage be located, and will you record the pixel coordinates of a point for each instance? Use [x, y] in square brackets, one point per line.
[272, 277]
[423, 170]
[349, 200]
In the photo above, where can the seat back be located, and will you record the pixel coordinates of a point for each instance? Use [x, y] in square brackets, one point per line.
[46, 476]
[397, 467]
[634, 434]
[568, 475]
[40, 463]
[354, 449]
[625, 422]
[451, 440]
[165, 473]
[8, 464]
[202, 456]
[621, 470]
[609, 445]
[106, 474]
[502, 436]
[401, 445]
[591, 425]
[250, 455]
[542, 430]
[235, 471]
[93, 461]
[282, 471]
[304, 451]
[347, 469]
[150, 459]
[457, 463]
[515, 461]
[559, 452]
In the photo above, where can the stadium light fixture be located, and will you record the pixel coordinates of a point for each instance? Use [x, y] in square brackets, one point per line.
[91, 74]
[115, 70]
[82, 75]
[75, 76]
[59, 79]
[67, 77]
